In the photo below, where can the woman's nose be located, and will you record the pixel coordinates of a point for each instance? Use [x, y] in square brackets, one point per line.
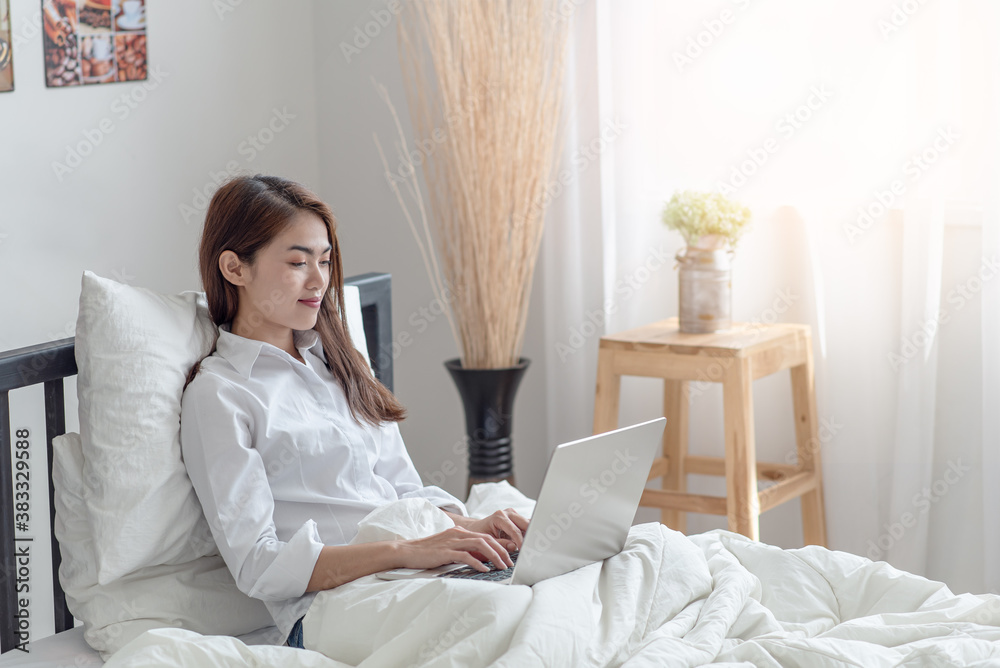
[317, 278]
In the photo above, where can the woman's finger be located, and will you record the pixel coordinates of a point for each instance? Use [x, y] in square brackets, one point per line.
[515, 517]
[472, 547]
[463, 557]
[511, 530]
[488, 547]
[501, 553]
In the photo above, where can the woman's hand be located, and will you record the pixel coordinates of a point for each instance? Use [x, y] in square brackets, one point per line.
[469, 542]
[456, 545]
[508, 526]
[339, 564]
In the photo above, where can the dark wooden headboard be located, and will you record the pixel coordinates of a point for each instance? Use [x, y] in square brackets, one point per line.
[50, 363]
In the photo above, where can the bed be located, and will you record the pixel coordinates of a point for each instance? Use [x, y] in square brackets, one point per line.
[666, 600]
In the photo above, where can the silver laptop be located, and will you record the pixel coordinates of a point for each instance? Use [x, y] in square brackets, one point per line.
[584, 511]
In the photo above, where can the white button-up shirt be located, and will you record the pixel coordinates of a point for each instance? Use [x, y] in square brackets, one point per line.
[282, 469]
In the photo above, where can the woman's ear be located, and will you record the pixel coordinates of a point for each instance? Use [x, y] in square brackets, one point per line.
[232, 268]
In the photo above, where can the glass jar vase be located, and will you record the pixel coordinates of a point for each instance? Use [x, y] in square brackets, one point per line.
[705, 290]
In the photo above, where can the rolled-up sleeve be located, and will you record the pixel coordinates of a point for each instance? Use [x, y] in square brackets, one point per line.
[394, 464]
[230, 480]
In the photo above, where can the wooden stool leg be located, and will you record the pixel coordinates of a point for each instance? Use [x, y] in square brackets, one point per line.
[675, 447]
[809, 449]
[742, 502]
[607, 394]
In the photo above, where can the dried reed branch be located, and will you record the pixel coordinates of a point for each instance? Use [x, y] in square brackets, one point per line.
[484, 86]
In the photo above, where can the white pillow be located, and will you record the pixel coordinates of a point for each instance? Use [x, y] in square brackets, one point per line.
[134, 348]
[355, 323]
[198, 595]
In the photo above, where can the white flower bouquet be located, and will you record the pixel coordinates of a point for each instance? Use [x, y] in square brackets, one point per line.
[706, 220]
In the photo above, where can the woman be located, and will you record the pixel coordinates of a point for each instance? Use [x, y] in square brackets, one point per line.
[287, 437]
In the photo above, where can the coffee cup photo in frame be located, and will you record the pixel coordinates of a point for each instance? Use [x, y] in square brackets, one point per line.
[90, 42]
[6, 49]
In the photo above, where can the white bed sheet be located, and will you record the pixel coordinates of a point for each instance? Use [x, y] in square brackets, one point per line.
[62, 649]
[715, 599]
[69, 650]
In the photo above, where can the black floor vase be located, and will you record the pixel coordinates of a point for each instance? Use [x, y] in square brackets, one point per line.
[488, 399]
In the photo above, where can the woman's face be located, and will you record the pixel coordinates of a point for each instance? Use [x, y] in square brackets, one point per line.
[283, 289]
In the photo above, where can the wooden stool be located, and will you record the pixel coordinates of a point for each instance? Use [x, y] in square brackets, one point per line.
[735, 358]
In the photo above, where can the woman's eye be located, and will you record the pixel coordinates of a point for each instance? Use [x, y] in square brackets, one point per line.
[302, 264]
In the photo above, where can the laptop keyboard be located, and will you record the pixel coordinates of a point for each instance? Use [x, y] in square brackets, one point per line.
[469, 573]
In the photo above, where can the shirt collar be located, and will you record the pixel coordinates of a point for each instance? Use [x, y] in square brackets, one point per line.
[242, 352]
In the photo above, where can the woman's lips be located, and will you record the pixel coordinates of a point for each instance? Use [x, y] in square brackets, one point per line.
[314, 303]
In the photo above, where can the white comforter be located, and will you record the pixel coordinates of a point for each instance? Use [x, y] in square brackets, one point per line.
[714, 599]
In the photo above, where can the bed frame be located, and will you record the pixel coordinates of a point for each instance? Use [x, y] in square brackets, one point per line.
[50, 363]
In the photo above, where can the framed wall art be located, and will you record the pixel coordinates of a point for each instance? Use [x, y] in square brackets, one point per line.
[94, 41]
[6, 49]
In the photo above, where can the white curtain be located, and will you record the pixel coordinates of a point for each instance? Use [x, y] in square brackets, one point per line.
[863, 135]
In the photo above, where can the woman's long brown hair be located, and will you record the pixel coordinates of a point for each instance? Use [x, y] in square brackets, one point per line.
[244, 216]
